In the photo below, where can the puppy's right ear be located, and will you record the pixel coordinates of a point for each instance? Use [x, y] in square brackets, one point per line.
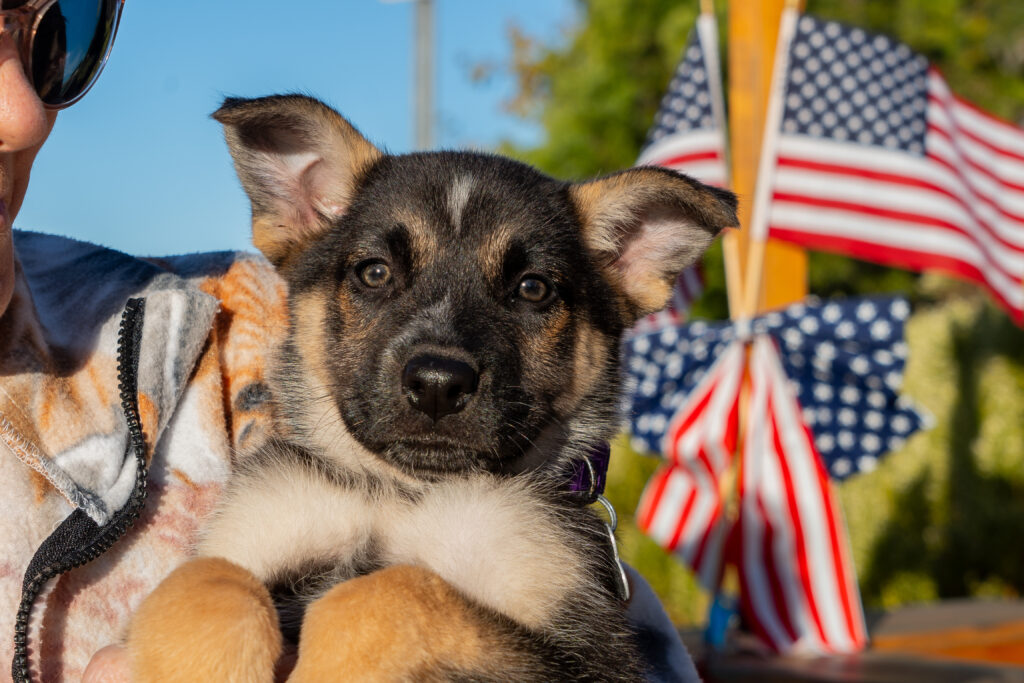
[299, 161]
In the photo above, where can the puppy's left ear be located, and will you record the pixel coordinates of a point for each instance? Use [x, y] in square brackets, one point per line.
[645, 225]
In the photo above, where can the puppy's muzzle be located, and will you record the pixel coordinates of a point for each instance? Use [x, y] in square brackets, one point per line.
[437, 385]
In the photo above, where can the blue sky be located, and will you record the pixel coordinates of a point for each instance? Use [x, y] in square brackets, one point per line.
[138, 164]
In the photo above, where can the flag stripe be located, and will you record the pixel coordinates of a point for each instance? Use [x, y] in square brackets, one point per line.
[792, 526]
[903, 164]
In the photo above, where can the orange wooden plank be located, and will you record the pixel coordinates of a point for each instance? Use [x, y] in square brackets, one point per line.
[753, 29]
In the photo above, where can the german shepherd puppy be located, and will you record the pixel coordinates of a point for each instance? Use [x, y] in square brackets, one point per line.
[452, 354]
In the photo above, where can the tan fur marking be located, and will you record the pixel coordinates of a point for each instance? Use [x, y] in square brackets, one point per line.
[209, 620]
[588, 364]
[391, 625]
[325, 427]
[492, 252]
[424, 245]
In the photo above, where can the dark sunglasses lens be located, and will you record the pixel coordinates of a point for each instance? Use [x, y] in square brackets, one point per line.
[69, 47]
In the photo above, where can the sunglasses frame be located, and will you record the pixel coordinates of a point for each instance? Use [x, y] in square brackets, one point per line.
[27, 18]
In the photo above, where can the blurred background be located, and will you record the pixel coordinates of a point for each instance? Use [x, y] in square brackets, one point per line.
[572, 86]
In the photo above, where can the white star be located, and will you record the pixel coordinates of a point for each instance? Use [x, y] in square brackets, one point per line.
[871, 443]
[638, 444]
[841, 467]
[876, 399]
[823, 392]
[867, 463]
[901, 424]
[824, 415]
[847, 417]
[642, 345]
[648, 388]
[860, 365]
[797, 359]
[658, 423]
[845, 330]
[899, 309]
[883, 357]
[826, 351]
[831, 313]
[825, 443]
[809, 325]
[881, 329]
[846, 440]
[874, 420]
[866, 311]
[849, 395]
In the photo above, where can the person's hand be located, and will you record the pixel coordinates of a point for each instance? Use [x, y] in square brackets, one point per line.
[109, 665]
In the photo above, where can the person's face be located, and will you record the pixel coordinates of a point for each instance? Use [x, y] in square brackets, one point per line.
[24, 126]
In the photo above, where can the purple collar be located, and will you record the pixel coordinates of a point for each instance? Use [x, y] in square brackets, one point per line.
[590, 480]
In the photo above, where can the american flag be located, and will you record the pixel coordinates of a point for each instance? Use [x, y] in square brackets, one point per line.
[688, 136]
[876, 158]
[825, 380]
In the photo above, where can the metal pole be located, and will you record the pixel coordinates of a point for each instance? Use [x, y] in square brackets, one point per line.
[424, 69]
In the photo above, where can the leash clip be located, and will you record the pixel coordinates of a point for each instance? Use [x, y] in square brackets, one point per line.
[611, 526]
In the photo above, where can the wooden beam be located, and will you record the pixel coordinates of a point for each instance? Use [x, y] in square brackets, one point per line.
[753, 29]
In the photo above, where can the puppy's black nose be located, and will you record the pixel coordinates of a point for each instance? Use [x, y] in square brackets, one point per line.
[438, 386]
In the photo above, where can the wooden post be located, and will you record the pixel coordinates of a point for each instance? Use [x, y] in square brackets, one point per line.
[753, 30]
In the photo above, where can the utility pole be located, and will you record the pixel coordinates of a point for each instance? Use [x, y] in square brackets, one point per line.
[423, 55]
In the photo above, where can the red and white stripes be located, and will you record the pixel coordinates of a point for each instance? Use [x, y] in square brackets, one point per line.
[798, 587]
[682, 506]
[959, 208]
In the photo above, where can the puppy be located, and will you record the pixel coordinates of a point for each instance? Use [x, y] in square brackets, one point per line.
[451, 359]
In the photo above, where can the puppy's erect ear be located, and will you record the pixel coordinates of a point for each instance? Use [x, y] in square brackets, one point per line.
[299, 161]
[646, 225]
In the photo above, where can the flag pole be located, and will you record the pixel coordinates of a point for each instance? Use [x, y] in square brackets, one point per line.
[758, 239]
[707, 26]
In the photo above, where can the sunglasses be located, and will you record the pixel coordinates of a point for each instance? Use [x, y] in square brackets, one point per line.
[63, 44]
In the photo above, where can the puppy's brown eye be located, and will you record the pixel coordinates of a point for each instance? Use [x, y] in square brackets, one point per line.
[375, 274]
[533, 289]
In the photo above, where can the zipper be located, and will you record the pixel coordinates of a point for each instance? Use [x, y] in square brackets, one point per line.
[78, 532]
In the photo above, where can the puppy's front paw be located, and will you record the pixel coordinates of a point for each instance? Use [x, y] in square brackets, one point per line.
[398, 623]
[210, 620]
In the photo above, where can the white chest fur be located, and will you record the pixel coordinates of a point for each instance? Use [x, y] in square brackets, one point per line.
[492, 539]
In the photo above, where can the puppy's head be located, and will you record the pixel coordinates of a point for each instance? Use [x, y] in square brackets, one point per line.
[456, 311]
